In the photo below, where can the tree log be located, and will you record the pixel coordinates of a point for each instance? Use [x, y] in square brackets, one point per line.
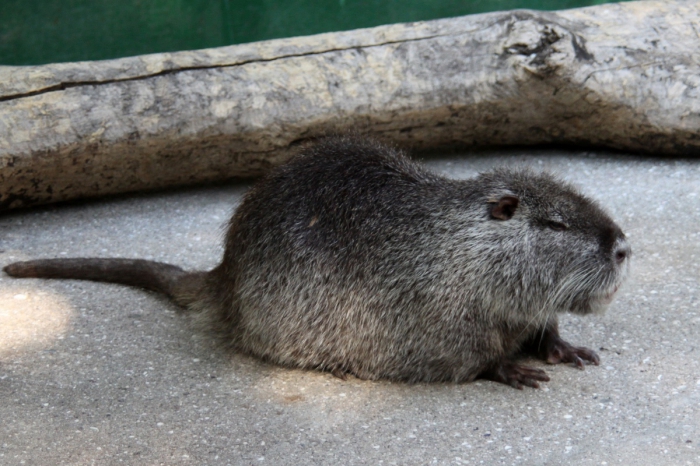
[621, 76]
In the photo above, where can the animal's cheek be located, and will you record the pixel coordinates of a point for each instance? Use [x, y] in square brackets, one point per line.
[572, 245]
[554, 245]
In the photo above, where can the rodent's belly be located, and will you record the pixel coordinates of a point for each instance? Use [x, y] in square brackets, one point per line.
[357, 333]
[379, 319]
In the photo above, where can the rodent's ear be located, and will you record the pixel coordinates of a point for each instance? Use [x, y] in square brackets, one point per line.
[505, 207]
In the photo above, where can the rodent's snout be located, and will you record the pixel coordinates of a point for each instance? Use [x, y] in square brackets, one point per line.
[622, 252]
[614, 242]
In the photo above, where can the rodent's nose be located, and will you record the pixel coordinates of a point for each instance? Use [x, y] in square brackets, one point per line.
[622, 252]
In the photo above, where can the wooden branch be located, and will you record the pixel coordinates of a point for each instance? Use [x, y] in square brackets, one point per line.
[624, 76]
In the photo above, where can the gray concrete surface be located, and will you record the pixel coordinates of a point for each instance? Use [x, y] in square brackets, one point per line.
[102, 374]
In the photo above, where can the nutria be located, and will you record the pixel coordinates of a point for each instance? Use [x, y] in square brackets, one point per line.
[353, 259]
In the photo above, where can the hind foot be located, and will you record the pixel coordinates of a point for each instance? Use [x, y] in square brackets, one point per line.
[515, 375]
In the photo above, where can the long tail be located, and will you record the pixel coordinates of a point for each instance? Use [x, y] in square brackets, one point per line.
[174, 282]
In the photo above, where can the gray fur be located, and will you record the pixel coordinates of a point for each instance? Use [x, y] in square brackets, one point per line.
[353, 259]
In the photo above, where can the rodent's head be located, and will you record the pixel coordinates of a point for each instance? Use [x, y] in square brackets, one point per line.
[573, 253]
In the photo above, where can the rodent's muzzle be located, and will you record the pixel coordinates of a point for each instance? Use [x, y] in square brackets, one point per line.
[622, 251]
[611, 275]
[613, 240]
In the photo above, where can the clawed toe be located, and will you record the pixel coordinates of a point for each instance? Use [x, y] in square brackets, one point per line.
[561, 351]
[516, 375]
[548, 345]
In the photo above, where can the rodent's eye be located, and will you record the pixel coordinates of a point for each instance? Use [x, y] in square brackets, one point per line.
[557, 226]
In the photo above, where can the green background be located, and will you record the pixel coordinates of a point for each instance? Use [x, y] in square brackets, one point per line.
[44, 31]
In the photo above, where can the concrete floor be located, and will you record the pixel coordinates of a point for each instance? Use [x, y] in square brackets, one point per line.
[102, 374]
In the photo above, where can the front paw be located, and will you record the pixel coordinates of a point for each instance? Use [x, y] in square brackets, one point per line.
[560, 351]
[516, 375]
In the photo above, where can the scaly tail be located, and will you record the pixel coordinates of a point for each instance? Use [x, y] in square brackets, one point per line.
[179, 285]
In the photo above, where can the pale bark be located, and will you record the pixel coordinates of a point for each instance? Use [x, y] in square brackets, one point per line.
[622, 76]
